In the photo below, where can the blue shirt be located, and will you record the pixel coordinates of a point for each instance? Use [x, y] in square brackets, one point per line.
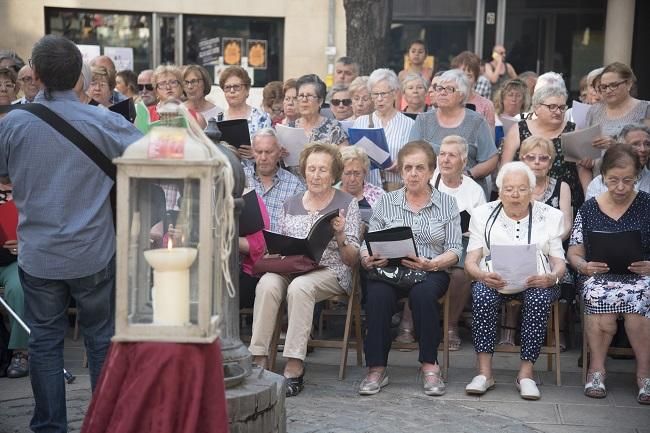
[65, 225]
[285, 185]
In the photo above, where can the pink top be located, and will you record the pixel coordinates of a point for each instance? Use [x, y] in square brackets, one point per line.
[256, 243]
[484, 107]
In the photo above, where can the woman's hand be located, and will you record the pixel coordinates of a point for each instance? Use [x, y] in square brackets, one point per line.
[393, 168]
[603, 142]
[541, 281]
[493, 280]
[369, 262]
[338, 223]
[419, 263]
[593, 268]
[12, 246]
[640, 268]
[586, 163]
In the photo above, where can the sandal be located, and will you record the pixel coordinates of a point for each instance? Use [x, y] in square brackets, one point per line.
[595, 386]
[644, 391]
[294, 384]
[454, 339]
[507, 335]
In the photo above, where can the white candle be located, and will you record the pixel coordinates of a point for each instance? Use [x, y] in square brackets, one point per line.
[171, 284]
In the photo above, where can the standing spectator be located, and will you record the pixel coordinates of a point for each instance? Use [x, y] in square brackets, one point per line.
[346, 70]
[67, 250]
[498, 70]
[27, 85]
[417, 55]
[470, 64]
[196, 83]
[145, 88]
[126, 82]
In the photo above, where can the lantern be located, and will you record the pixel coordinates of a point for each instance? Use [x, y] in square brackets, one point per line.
[174, 225]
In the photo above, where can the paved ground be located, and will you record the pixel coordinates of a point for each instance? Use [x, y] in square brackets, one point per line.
[330, 405]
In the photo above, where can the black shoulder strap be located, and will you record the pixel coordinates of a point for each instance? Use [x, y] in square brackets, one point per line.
[73, 135]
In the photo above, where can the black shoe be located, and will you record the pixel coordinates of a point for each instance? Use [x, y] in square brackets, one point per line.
[294, 385]
[19, 366]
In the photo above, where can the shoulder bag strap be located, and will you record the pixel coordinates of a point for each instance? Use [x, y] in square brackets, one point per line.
[73, 135]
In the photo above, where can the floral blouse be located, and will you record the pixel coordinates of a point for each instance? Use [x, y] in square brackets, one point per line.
[330, 131]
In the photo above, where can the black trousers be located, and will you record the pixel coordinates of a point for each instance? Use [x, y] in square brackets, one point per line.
[381, 304]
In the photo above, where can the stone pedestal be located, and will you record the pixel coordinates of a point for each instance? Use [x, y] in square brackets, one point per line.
[256, 405]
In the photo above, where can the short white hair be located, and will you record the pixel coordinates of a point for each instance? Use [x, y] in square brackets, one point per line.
[383, 74]
[458, 77]
[265, 132]
[458, 141]
[411, 76]
[550, 79]
[591, 76]
[542, 94]
[515, 167]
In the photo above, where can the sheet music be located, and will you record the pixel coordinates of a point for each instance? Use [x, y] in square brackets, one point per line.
[507, 122]
[293, 140]
[577, 145]
[393, 249]
[374, 152]
[579, 114]
[515, 264]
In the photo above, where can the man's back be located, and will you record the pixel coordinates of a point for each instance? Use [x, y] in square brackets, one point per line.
[65, 228]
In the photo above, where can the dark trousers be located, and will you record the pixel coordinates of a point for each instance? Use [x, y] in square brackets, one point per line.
[247, 284]
[381, 303]
[46, 305]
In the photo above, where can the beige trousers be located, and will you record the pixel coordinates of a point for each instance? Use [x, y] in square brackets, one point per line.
[302, 293]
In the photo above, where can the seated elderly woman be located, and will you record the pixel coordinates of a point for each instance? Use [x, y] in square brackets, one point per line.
[514, 220]
[435, 222]
[361, 101]
[414, 88]
[449, 178]
[607, 295]
[101, 85]
[355, 168]
[321, 166]
[341, 102]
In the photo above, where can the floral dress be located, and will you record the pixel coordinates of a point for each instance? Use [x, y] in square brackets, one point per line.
[561, 169]
[330, 131]
[615, 293]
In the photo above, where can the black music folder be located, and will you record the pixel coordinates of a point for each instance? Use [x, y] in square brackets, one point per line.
[464, 221]
[126, 108]
[250, 219]
[312, 246]
[235, 132]
[393, 244]
[617, 249]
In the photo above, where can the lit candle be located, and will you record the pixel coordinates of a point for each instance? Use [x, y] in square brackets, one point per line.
[171, 283]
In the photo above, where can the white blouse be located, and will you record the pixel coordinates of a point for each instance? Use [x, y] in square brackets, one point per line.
[546, 232]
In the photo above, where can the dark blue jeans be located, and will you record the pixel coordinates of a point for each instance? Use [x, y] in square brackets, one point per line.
[46, 304]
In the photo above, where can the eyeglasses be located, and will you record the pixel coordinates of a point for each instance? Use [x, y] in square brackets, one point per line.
[602, 88]
[615, 181]
[378, 95]
[447, 89]
[26, 80]
[353, 174]
[172, 84]
[307, 97]
[148, 87]
[232, 88]
[532, 158]
[193, 82]
[100, 84]
[345, 102]
[8, 85]
[554, 107]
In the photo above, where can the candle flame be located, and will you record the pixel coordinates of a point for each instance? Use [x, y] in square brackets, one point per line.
[169, 243]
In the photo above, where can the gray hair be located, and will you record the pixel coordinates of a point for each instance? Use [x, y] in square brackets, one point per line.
[411, 76]
[352, 153]
[347, 61]
[383, 74]
[87, 75]
[545, 92]
[550, 79]
[631, 127]
[591, 76]
[358, 84]
[339, 88]
[265, 132]
[515, 167]
[461, 81]
[459, 141]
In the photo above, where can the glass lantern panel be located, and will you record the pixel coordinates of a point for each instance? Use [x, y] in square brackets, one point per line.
[163, 251]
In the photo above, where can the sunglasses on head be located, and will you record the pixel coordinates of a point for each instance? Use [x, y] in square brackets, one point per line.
[345, 102]
[149, 87]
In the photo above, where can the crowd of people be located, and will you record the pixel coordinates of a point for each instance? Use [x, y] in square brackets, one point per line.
[475, 139]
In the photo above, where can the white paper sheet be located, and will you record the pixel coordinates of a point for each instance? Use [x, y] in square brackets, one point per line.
[375, 152]
[346, 124]
[515, 264]
[577, 145]
[393, 249]
[292, 139]
[579, 114]
[507, 122]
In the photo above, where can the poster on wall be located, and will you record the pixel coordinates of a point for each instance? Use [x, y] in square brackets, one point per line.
[256, 53]
[209, 50]
[89, 52]
[232, 48]
[121, 56]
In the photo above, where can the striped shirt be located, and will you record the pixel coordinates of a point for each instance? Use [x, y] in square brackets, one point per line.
[436, 227]
[397, 132]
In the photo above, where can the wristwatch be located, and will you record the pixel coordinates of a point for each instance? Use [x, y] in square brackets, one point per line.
[557, 279]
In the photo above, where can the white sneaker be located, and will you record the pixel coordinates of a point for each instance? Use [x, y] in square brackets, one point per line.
[528, 389]
[479, 385]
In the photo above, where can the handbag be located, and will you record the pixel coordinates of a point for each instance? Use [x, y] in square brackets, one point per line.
[397, 276]
[298, 264]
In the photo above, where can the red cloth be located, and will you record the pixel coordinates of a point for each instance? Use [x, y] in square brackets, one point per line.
[159, 388]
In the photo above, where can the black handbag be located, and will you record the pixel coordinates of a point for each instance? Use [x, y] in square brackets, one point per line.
[397, 276]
